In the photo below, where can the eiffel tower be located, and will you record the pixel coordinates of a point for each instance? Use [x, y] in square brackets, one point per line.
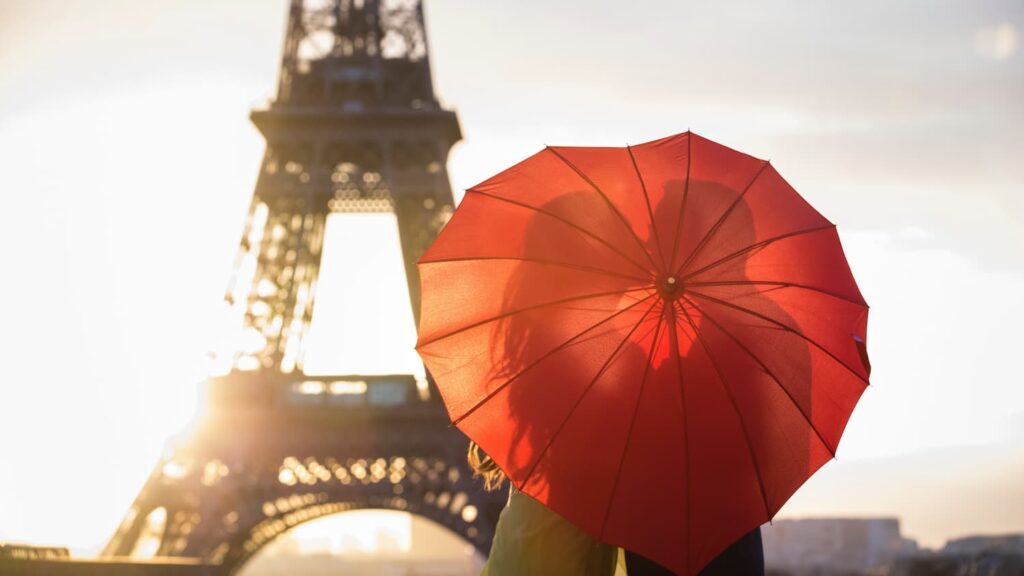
[355, 127]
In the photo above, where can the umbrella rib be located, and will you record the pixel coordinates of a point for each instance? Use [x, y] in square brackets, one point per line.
[526, 309]
[538, 261]
[783, 327]
[632, 424]
[756, 246]
[647, 333]
[768, 371]
[707, 237]
[650, 211]
[777, 284]
[608, 201]
[686, 433]
[563, 221]
[595, 335]
[686, 194]
[543, 357]
[583, 395]
[735, 408]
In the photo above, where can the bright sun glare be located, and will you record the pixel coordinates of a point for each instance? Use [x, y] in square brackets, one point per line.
[362, 322]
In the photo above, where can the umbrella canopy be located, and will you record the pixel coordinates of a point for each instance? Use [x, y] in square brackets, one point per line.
[660, 342]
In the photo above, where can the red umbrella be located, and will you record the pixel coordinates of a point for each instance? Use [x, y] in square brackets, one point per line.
[660, 342]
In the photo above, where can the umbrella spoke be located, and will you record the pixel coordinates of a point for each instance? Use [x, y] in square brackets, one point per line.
[776, 284]
[608, 201]
[601, 334]
[548, 354]
[735, 408]
[686, 194]
[576, 227]
[674, 340]
[526, 309]
[767, 371]
[721, 219]
[781, 326]
[753, 247]
[588, 388]
[650, 211]
[568, 265]
[631, 297]
[632, 423]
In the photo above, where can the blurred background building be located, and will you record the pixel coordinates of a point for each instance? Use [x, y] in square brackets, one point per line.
[842, 545]
[877, 547]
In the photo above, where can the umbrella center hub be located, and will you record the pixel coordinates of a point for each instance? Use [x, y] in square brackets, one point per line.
[669, 287]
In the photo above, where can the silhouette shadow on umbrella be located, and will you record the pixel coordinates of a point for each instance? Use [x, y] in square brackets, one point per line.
[661, 357]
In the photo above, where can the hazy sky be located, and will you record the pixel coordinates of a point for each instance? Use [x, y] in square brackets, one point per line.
[127, 162]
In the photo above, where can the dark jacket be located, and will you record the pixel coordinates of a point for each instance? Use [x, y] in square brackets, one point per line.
[744, 558]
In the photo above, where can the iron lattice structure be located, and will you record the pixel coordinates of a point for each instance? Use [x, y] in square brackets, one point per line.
[355, 127]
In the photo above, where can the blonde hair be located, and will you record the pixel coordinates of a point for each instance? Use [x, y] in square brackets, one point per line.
[484, 467]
